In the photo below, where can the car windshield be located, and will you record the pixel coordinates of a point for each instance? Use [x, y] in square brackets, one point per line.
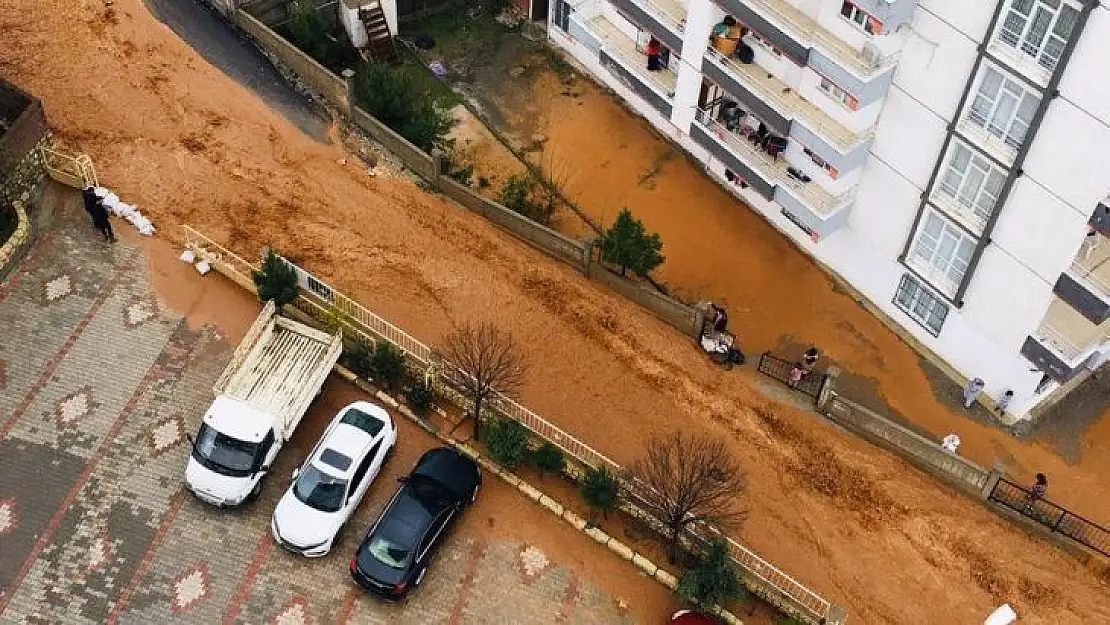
[320, 490]
[224, 454]
[389, 551]
[365, 422]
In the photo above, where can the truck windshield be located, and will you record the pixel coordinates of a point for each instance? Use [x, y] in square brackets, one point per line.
[223, 454]
[320, 490]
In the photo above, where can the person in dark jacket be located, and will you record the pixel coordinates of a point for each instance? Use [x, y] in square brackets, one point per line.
[95, 208]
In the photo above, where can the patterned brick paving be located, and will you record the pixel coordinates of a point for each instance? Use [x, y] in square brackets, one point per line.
[98, 387]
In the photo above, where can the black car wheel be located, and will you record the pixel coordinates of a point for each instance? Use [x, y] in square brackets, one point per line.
[256, 492]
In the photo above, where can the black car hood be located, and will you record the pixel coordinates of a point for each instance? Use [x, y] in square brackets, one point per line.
[456, 472]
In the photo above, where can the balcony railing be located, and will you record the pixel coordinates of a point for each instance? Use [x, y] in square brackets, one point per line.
[805, 30]
[1069, 333]
[624, 50]
[1092, 266]
[820, 201]
[1020, 61]
[670, 13]
[787, 102]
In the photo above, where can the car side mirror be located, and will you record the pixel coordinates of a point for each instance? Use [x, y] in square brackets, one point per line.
[403, 479]
[192, 442]
[265, 468]
[296, 472]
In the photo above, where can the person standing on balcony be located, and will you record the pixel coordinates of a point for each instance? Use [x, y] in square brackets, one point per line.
[972, 391]
[654, 49]
[726, 36]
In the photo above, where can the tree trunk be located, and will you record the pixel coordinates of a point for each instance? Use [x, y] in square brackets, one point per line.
[623, 269]
[672, 546]
[477, 415]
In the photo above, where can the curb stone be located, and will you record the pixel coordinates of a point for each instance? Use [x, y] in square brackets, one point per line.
[620, 549]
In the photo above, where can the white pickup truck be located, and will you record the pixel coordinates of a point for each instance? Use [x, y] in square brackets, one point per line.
[274, 374]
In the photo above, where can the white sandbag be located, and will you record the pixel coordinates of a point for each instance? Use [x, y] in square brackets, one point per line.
[188, 256]
[203, 267]
[131, 213]
[1004, 615]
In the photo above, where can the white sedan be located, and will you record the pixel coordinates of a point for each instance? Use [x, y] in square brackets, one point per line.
[327, 489]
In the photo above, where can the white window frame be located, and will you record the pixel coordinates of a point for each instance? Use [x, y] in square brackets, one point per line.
[941, 251]
[921, 305]
[1002, 106]
[837, 93]
[860, 19]
[970, 183]
[1033, 28]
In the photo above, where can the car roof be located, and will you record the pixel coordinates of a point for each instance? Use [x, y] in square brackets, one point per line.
[455, 471]
[246, 422]
[349, 440]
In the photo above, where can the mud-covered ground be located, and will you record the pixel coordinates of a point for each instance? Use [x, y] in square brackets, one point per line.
[173, 134]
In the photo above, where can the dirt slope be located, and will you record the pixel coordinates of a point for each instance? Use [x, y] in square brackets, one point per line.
[185, 143]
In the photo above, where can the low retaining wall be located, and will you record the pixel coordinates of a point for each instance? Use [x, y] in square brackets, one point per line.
[684, 318]
[922, 452]
[425, 166]
[22, 170]
[545, 239]
[316, 76]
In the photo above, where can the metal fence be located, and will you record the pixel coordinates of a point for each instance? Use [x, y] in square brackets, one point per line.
[1052, 516]
[779, 369]
[318, 292]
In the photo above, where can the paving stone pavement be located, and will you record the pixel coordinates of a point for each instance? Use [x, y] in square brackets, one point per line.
[98, 387]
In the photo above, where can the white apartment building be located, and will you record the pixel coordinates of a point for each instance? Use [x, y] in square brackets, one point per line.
[950, 159]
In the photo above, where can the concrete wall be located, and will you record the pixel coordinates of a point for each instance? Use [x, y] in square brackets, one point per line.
[923, 453]
[413, 157]
[316, 76]
[22, 170]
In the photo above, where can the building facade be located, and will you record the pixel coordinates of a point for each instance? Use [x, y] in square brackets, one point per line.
[950, 159]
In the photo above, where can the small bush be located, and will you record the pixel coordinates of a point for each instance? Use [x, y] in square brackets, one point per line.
[360, 361]
[277, 281]
[549, 459]
[388, 363]
[310, 31]
[526, 196]
[507, 442]
[463, 175]
[601, 490]
[398, 101]
[714, 580]
[421, 398]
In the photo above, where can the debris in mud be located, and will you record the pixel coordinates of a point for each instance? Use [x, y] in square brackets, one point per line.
[516, 72]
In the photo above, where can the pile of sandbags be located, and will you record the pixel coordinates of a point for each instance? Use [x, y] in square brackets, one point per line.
[116, 207]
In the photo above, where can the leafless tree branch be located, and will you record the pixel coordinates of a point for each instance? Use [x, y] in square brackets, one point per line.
[488, 359]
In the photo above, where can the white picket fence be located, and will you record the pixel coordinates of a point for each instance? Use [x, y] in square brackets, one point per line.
[239, 270]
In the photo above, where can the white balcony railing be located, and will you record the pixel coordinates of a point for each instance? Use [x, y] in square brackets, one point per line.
[671, 14]
[812, 194]
[1092, 266]
[620, 47]
[1020, 61]
[804, 29]
[1059, 342]
[787, 102]
[1071, 335]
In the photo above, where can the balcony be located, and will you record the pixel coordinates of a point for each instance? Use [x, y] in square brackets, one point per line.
[789, 104]
[1086, 284]
[805, 30]
[666, 19]
[1064, 341]
[807, 201]
[619, 55]
[1021, 62]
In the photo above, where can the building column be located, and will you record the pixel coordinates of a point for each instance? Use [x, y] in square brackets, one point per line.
[699, 23]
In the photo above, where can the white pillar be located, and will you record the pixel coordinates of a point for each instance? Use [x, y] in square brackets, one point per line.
[700, 17]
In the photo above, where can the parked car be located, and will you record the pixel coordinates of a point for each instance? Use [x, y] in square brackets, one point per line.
[328, 487]
[396, 551]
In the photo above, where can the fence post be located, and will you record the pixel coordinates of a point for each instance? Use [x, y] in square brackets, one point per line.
[588, 256]
[996, 473]
[349, 80]
[827, 385]
[835, 616]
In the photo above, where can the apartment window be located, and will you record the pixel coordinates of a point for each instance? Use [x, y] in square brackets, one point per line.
[941, 252]
[1038, 29]
[833, 91]
[822, 163]
[972, 181]
[1003, 107]
[861, 19]
[921, 305]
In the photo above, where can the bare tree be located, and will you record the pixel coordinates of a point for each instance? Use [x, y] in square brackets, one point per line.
[488, 359]
[691, 479]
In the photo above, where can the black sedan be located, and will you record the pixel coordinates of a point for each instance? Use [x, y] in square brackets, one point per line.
[395, 554]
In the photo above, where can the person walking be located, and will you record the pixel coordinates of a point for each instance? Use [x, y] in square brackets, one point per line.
[972, 391]
[811, 356]
[95, 208]
[720, 320]
[653, 50]
[951, 443]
